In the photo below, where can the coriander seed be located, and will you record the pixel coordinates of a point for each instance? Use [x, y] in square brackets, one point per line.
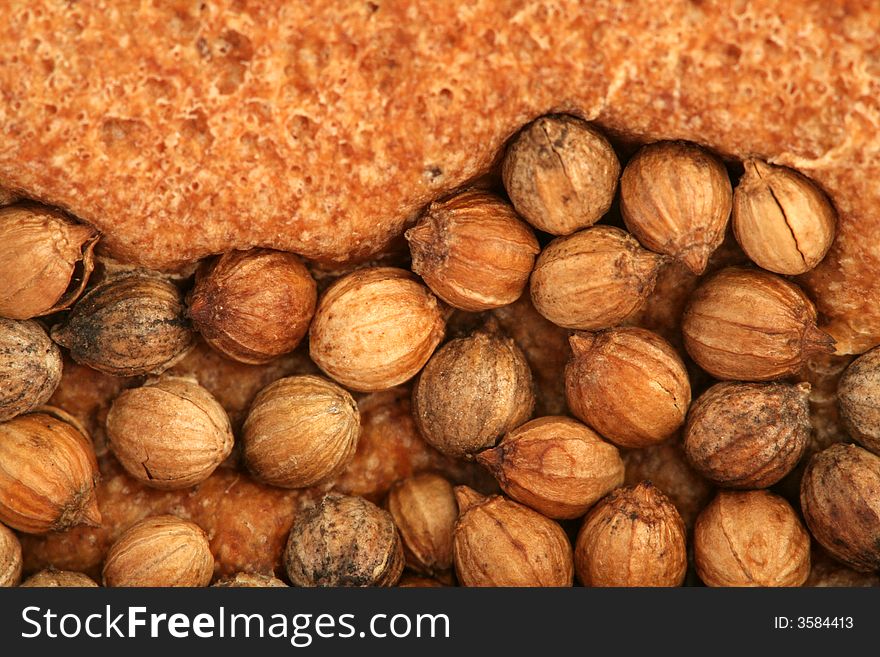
[299, 431]
[160, 551]
[593, 279]
[676, 199]
[127, 326]
[375, 328]
[748, 325]
[170, 433]
[45, 260]
[748, 435]
[344, 541]
[783, 222]
[633, 537]
[30, 367]
[751, 538]
[253, 305]
[472, 391]
[858, 398]
[473, 251]
[10, 557]
[499, 542]
[561, 174]
[554, 465]
[629, 384]
[840, 500]
[48, 473]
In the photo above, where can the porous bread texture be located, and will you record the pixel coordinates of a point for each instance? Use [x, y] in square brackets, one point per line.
[182, 129]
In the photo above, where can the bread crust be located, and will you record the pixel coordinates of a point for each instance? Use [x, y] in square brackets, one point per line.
[182, 129]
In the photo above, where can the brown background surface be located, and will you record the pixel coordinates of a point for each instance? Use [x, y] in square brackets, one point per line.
[182, 129]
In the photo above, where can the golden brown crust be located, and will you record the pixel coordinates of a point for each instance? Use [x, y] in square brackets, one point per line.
[181, 132]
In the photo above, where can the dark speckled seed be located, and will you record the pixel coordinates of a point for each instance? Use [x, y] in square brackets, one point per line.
[473, 391]
[840, 499]
[344, 541]
[748, 435]
[128, 326]
[30, 367]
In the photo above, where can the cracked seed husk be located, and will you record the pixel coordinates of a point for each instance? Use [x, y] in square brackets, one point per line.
[628, 384]
[782, 221]
[633, 537]
[170, 433]
[676, 199]
[555, 465]
[750, 325]
[561, 174]
[45, 260]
